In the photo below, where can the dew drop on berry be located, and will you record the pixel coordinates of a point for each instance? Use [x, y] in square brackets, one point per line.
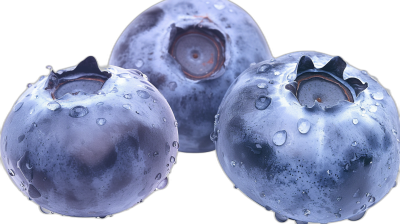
[172, 159]
[354, 144]
[280, 218]
[53, 106]
[263, 68]
[158, 177]
[29, 85]
[175, 144]
[162, 184]
[306, 212]
[371, 200]
[18, 106]
[126, 106]
[11, 172]
[128, 96]
[33, 192]
[143, 94]
[172, 86]
[355, 121]
[45, 211]
[262, 102]
[214, 136]
[139, 63]
[233, 163]
[279, 138]
[78, 111]
[167, 148]
[262, 85]
[357, 217]
[114, 90]
[373, 108]
[101, 121]
[377, 96]
[303, 125]
[219, 6]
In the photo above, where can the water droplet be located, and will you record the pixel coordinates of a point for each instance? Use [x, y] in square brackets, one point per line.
[139, 63]
[364, 72]
[355, 121]
[263, 68]
[167, 148]
[303, 125]
[233, 163]
[126, 106]
[172, 159]
[99, 104]
[158, 177]
[53, 106]
[363, 208]
[306, 212]
[18, 106]
[339, 198]
[271, 81]
[262, 102]
[280, 218]
[357, 217]
[33, 192]
[262, 85]
[176, 124]
[262, 194]
[219, 6]
[356, 194]
[377, 96]
[373, 108]
[29, 85]
[354, 144]
[101, 121]
[143, 94]
[371, 200]
[155, 154]
[164, 119]
[172, 86]
[279, 138]
[213, 136]
[78, 111]
[11, 172]
[32, 111]
[45, 211]
[162, 184]
[128, 96]
[41, 78]
[21, 138]
[394, 132]
[272, 60]
[338, 215]
[49, 67]
[28, 166]
[124, 75]
[346, 167]
[114, 90]
[175, 144]
[277, 73]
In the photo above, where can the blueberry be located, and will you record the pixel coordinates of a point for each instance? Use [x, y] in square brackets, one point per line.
[73, 147]
[312, 138]
[192, 51]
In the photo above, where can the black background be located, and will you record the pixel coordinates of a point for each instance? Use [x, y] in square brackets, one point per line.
[39, 33]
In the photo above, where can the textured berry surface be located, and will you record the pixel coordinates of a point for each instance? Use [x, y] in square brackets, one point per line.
[148, 44]
[90, 155]
[311, 164]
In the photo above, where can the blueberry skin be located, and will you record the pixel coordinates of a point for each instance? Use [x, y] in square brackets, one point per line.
[144, 45]
[73, 162]
[336, 170]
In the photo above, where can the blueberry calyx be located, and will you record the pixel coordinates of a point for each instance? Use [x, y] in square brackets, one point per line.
[86, 77]
[325, 85]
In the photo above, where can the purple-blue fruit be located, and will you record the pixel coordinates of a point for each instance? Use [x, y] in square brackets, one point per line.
[192, 51]
[88, 142]
[309, 137]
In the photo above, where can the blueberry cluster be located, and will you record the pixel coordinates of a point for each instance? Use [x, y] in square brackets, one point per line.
[305, 135]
